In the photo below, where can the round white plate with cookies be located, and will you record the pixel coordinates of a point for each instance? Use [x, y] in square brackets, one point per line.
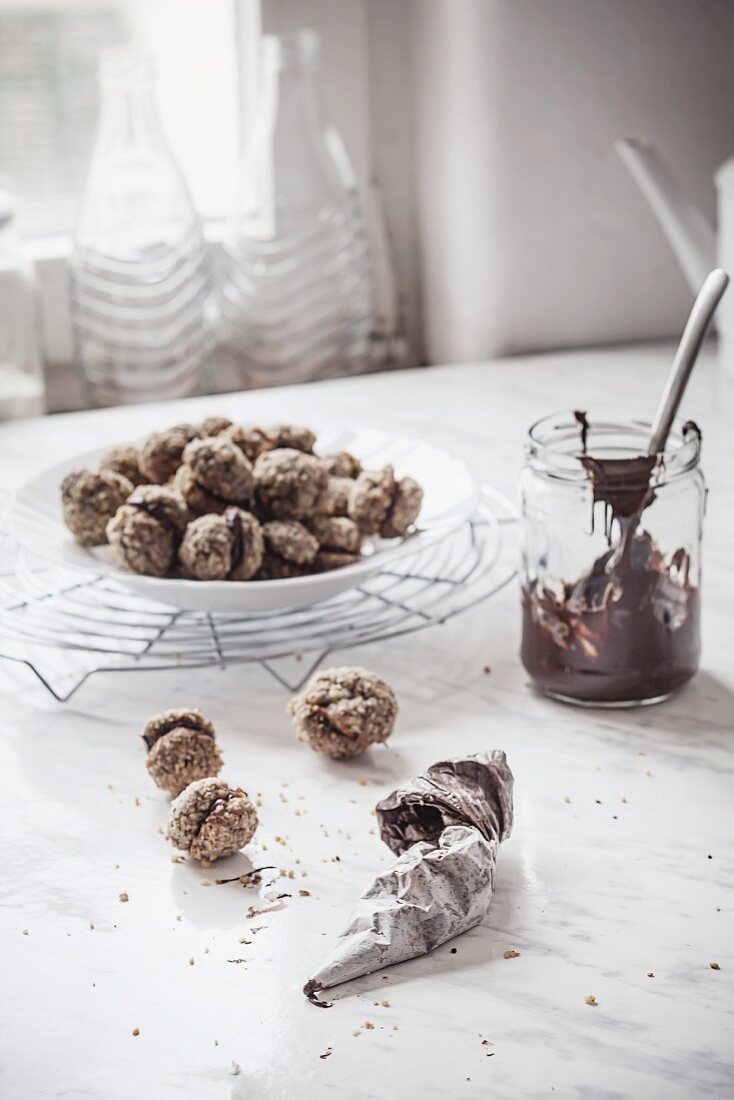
[450, 498]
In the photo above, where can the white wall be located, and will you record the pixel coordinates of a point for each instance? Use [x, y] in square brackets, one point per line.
[532, 234]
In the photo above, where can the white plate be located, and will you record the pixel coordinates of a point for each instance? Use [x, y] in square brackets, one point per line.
[451, 496]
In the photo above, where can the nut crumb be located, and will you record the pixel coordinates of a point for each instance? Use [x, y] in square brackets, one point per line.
[590, 1000]
[136, 1031]
[124, 896]
[205, 882]
[714, 966]
[567, 799]
[385, 1004]
[304, 893]
[368, 1025]
[650, 974]
[511, 955]
[356, 1033]
[178, 859]
[191, 961]
[26, 932]
[91, 926]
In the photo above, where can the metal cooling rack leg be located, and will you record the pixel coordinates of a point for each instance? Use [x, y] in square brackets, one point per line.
[296, 685]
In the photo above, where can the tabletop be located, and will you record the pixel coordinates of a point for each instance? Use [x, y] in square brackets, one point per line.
[125, 973]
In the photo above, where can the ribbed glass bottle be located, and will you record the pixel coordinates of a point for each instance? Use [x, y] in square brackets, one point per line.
[144, 310]
[296, 278]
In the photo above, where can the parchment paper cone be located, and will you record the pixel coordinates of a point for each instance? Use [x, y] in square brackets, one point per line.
[446, 826]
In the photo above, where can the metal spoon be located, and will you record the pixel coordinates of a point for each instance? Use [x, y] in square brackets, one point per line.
[698, 321]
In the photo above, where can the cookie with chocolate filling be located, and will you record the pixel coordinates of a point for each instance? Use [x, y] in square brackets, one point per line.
[145, 531]
[181, 747]
[161, 454]
[341, 711]
[289, 483]
[88, 502]
[211, 820]
[226, 547]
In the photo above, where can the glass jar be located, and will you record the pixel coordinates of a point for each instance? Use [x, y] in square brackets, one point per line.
[22, 387]
[611, 559]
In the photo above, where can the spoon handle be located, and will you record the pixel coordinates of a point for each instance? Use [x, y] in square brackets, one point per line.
[698, 321]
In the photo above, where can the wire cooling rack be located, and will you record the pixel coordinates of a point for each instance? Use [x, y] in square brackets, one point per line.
[66, 624]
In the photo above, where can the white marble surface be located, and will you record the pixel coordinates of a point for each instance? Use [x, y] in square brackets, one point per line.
[620, 864]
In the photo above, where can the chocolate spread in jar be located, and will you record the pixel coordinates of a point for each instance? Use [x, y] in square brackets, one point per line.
[628, 631]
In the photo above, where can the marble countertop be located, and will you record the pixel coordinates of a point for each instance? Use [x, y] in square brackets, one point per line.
[617, 882]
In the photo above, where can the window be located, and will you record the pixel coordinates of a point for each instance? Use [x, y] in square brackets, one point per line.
[49, 52]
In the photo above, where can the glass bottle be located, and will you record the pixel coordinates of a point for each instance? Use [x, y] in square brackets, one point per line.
[297, 284]
[611, 560]
[143, 307]
[22, 388]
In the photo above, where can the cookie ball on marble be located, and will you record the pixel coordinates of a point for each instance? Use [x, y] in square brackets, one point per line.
[341, 464]
[160, 455]
[145, 531]
[88, 502]
[404, 510]
[211, 820]
[214, 425]
[181, 747]
[336, 533]
[289, 539]
[342, 711]
[289, 483]
[220, 468]
[125, 461]
[371, 498]
[226, 547]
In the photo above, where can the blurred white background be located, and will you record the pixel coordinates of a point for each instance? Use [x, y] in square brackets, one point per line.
[481, 131]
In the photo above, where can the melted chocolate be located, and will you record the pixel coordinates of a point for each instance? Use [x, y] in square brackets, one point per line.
[629, 629]
[234, 522]
[583, 421]
[155, 509]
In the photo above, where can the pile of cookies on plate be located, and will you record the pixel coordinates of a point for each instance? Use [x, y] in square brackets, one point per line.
[219, 501]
